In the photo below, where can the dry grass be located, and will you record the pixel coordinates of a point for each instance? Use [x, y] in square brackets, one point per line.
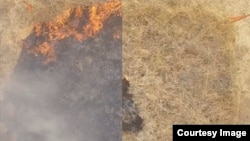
[179, 59]
[177, 56]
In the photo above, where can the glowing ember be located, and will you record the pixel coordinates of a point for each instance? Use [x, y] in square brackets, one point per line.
[80, 22]
[46, 50]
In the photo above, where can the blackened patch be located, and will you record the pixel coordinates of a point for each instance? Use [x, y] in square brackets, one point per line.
[131, 122]
[75, 97]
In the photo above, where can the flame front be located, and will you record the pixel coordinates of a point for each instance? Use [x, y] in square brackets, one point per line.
[68, 24]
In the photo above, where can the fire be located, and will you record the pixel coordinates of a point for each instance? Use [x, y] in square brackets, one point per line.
[46, 50]
[78, 12]
[72, 23]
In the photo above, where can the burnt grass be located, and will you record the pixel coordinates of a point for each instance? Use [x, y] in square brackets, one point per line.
[81, 89]
[132, 121]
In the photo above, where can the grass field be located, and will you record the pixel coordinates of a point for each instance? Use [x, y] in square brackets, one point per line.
[186, 62]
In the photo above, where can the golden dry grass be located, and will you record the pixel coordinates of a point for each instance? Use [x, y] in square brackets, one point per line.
[172, 74]
[180, 60]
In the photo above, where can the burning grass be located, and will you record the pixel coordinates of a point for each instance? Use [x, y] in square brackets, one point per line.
[78, 37]
[80, 22]
[16, 22]
[179, 60]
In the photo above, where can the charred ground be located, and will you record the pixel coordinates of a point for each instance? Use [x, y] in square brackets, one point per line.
[132, 122]
[75, 95]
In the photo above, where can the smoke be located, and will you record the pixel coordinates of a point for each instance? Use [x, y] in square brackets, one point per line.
[76, 98]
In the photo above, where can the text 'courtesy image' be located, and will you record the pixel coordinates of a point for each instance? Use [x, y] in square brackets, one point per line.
[66, 82]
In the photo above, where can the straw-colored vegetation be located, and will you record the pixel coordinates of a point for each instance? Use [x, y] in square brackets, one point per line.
[179, 56]
[180, 60]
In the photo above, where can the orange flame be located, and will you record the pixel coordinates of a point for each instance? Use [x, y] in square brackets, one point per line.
[78, 12]
[46, 50]
[67, 25]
